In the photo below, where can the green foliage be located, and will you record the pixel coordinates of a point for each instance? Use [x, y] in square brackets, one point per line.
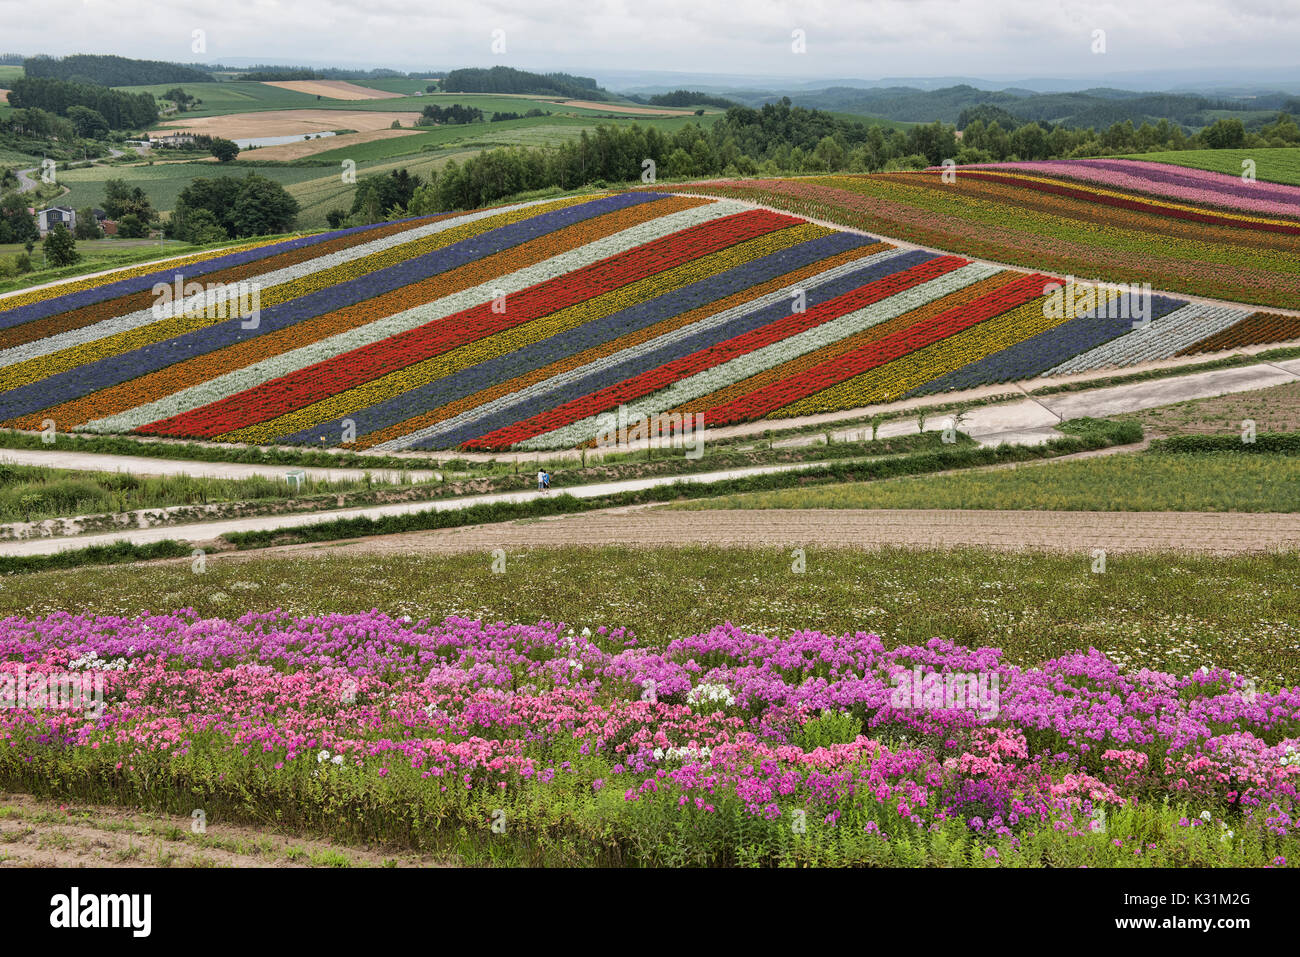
[252, 206]
[87, 225]
[830, 727]
[16, 224]
[108, 70]
[1265, 443]
[120, 110]
[60, 246]
[224, 150]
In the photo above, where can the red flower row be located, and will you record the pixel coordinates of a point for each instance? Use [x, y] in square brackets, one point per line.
[316, 382]
[834, 371]
[715, 355]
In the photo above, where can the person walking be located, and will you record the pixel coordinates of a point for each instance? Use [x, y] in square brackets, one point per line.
[541, 481]
[548, 480]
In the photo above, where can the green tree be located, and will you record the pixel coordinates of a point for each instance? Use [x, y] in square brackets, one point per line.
[16, 224]
[122, 199]
[680, 164]
[131, 226]
[1224, 135]
[263, 207]
[87, 225]
[224, 150]
[88, 123]
[60, 247]
[201, 227]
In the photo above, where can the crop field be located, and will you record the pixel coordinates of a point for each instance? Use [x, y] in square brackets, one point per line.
[163, 182]
[1178, 229]
[1219, 482]
[672, 738]
[1274, 165]
[246, 96]
[527, 326]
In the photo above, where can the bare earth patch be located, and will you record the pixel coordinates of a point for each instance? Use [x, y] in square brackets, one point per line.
[619, 108]
[1273, 410]
[305, 148]
[1215, 533]
[333, 89]
[247, 126]
[35, 832]
[4, 96]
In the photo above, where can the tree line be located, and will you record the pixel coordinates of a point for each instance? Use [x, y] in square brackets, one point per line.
[118, 109]
[777, 140]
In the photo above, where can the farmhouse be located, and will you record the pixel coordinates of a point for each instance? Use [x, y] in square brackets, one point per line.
[47, 219]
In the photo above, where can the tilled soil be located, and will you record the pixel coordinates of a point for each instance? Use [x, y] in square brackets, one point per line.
[41, 833]
[1215, 533]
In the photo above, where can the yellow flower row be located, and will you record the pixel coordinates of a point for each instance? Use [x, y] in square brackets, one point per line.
[429, 370]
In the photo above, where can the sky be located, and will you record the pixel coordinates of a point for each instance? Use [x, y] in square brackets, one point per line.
[866, 39]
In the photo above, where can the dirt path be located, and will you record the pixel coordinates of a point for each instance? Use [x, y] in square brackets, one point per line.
[44, 833]
[1210, 533]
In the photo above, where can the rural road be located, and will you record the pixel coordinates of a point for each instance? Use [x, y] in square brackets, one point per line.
[144, 465]
[206, 531]
[1215, 533]
[26, 184]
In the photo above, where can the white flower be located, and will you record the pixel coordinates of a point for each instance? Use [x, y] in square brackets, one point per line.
[708, 693]
[659, 754]
[322, 757]
[1205, 816]
[586, 632]
[337, 759]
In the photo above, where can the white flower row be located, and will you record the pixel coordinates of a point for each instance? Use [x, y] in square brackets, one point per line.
[710, 380]
[540, 389]
[710, 694]
[1158, 339]
[210, 298]
[260, 372]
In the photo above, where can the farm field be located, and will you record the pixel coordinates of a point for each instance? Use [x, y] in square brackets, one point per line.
[1272, 410]
[332, 89]
[1215, 237]
[235, 126]
[1274, 165]
[163, 182]
[581, 795]
[245, 96]
[642, 300]
[1144, 482]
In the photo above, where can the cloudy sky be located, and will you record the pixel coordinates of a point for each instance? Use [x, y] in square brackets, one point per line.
[845, 38]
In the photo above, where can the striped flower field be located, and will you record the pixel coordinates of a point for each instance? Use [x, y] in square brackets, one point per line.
[522, 325]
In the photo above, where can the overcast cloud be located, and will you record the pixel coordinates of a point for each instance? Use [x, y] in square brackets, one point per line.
[865, 39]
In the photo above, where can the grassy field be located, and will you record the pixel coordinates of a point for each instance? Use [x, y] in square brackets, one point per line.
[32, 493]
[245, 96]
[98, 255]
[1277, 165]
[1272, 410]
[163, 182]
[1159, 611]
[1120, 483]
